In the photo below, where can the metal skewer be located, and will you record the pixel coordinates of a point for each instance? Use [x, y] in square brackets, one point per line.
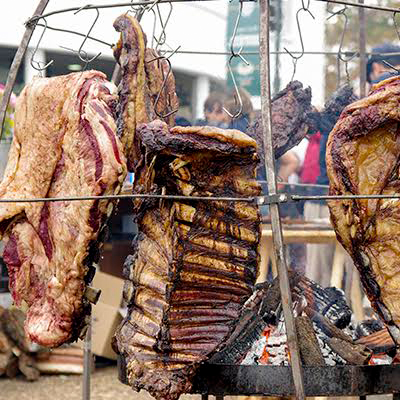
[87, 361]
[286, 296]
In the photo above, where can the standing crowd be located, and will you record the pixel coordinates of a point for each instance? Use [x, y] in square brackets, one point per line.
[305, 163]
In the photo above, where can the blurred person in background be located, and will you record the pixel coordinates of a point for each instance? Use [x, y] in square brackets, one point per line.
[377, 70]
[214, 114]
[231, 104]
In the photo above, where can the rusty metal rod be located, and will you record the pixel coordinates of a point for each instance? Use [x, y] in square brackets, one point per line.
[286, 295]
[370, 7]
[362, 45]
[295, 197]
[128, 196]
[87, 361]
[112, 5]
[19, 55]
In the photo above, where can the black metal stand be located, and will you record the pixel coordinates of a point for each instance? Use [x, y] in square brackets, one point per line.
[346, 380]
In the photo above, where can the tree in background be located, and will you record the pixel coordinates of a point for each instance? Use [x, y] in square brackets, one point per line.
[380, 28]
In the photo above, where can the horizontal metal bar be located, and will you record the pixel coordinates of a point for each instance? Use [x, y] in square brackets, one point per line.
[143, 3]
[295, 197]
[129, 196]
[112, 5]
[362, 5]
[75, 33]
[265, 199]
[269, 380]
[256, 52]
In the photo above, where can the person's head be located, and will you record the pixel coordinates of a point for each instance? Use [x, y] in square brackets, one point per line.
[233, 106]
[213, 108]
[377, 70]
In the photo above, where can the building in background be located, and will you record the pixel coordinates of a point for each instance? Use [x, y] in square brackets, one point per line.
[193, 27]
[310, 69]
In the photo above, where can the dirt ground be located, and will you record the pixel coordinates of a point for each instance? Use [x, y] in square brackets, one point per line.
[104, 386]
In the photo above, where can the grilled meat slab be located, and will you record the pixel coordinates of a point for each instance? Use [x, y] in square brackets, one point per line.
[290, 110]
[65, 144]
[147, 85]
[363, 155]
[195, 262]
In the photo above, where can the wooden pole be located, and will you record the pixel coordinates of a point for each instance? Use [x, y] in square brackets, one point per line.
[286, 295]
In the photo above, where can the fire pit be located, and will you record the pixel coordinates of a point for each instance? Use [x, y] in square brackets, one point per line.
[269, 380]
[256, 361]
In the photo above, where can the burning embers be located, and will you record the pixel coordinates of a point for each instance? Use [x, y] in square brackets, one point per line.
[325, 335]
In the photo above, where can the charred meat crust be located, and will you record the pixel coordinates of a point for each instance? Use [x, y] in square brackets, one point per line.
[290, 110]
[362, 158]
[194, 263]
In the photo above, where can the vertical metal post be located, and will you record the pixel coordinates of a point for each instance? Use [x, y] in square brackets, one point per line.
[362, 44]
[286, 296]
[19, 56]
[87, 362]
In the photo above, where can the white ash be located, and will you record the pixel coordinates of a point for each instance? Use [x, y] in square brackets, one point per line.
[383, 359]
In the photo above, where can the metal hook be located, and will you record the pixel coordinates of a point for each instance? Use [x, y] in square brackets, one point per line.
[163, 87]
[87, 60]
[346, 20]
[238, 98]
[32, 61]
[163, 36]
[296, 58]
[340, 57]
[234, 54]
[237, 54]
[75, 52]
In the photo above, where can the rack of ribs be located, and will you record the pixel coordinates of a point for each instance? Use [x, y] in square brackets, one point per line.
[65, 144]
[195, 262]
[363, 157]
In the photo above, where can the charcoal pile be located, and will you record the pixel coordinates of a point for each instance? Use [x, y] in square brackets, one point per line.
[323, 322]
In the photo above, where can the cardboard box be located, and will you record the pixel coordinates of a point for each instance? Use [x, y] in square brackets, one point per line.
[105, 314]
[111, 288]
[105, 320]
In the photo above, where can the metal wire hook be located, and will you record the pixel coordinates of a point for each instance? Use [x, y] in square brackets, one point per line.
[87, 60]
[163, 36]
[294, 57]
[234, 54]
[163, 86]
[32, 61]
[238, 98]
[340, 57]
[300, 34]
[75, 52]
[346, 21]
[233, 38]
